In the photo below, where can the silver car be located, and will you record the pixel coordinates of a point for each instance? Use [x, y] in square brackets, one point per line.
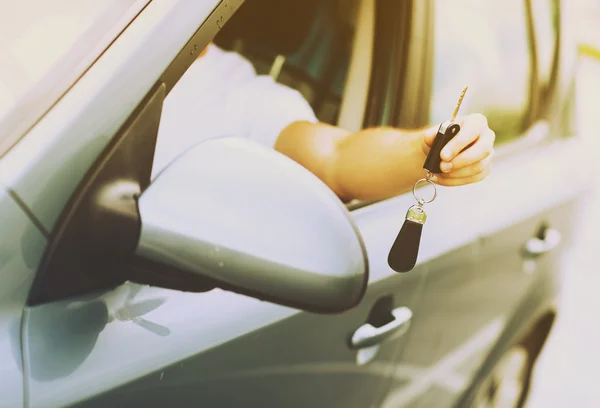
[221, 283]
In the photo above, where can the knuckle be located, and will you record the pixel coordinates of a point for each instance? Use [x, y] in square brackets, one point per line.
[485, 153]
[479, 118]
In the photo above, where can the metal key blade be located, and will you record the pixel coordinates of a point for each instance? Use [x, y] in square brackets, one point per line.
[460, 99]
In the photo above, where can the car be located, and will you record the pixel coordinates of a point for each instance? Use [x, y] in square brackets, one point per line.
[221, 283]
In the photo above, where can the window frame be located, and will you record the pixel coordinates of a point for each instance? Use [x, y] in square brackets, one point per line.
[392, 25]
[391, 45]
[407, 68]
[545, 108]
[538, 132]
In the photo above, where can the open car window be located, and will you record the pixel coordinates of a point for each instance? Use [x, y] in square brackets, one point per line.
[45, 46]
[314, 60]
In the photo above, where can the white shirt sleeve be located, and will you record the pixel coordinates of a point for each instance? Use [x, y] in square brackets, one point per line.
[219, 96]
[262, 108]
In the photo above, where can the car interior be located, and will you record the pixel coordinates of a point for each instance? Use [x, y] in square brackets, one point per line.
[305, 45]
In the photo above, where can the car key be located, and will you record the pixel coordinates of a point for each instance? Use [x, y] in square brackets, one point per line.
[404, 251]
[445, 133]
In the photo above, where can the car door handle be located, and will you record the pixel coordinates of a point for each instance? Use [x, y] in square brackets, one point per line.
[535, 246]
[368, 335]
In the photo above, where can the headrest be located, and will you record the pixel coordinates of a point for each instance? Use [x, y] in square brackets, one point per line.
[278, 25]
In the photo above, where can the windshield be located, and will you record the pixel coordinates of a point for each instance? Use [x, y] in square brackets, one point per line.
[45, 46]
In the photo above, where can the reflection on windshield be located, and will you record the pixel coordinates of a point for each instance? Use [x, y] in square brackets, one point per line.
[45, 46]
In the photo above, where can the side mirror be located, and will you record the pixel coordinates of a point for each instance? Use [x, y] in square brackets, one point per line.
[257, 223]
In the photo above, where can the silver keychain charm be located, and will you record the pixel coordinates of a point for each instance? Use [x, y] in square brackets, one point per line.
[416, 213]
[405, 250]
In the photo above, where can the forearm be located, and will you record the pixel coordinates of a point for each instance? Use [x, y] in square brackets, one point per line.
[370, 164]
[378, 163]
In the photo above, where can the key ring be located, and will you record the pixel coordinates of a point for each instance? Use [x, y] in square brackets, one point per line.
[421, 200]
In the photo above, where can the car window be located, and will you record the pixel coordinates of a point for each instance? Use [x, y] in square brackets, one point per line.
[44, 47]
[317, 68]
[483, 45]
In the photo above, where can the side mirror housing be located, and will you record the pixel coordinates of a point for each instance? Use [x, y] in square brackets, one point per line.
[255, 222]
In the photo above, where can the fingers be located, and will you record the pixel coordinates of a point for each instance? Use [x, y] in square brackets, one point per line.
[471, 129]
[468, 157]
[471, 169]
[480, 150]
[444, 180]
[429, 135]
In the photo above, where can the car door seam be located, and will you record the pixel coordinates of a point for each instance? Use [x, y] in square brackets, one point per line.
[34, 220]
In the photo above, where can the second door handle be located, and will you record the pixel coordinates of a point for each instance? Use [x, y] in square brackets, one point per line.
[368, 335]
[535, 246]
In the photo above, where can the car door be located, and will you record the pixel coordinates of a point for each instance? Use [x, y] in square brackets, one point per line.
[137, 344]
[472, 249]
[21, 245]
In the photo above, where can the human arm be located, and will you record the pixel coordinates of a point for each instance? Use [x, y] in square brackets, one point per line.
[382, 162]
[370, 164]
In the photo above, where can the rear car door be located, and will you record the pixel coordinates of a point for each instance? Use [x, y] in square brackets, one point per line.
[484, 286]
[145, 345]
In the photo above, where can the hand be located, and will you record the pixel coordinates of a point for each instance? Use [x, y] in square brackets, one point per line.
[467, 158]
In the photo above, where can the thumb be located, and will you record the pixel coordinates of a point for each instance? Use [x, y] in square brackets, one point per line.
[429, 135]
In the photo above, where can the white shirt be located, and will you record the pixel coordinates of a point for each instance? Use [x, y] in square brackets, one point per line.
[221, 95]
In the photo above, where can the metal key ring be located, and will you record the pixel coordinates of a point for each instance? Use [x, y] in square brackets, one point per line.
[420, 199]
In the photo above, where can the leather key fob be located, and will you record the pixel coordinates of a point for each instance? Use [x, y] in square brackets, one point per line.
[404, 251]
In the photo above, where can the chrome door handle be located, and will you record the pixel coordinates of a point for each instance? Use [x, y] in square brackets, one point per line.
[535, 247]
[368, 335]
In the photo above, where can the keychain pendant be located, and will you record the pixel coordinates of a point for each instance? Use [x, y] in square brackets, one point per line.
[404, 251]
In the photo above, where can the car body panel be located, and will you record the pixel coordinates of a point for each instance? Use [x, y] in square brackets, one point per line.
[537, 299]
[468, 308]
[135, 330]
[229, 349]
[21, 248]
